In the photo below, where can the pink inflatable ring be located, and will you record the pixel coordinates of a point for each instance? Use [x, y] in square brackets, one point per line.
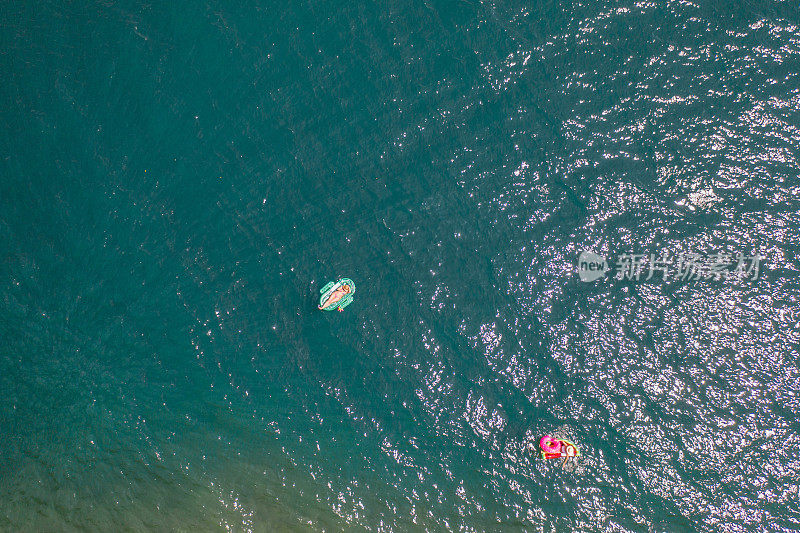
[549, 444]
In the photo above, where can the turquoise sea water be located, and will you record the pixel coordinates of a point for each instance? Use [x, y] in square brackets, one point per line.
[177, 181]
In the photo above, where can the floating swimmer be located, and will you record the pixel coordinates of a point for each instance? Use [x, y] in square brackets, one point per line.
[553, 448]
[337, 295]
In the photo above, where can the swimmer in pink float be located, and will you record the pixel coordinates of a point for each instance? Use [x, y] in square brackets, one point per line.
[553, 448]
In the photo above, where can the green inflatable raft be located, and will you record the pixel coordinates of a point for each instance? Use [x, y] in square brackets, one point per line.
[330, 288]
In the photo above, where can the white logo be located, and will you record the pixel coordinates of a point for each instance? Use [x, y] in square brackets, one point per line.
[592, 266]
[680, 267]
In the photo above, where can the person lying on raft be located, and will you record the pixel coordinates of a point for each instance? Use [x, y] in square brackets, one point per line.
[569, 451]
[335, 296]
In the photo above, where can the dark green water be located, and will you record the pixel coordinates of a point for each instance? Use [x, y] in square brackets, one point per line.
[177, 182]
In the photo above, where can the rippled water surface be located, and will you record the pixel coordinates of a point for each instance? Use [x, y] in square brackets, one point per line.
[178, 182]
